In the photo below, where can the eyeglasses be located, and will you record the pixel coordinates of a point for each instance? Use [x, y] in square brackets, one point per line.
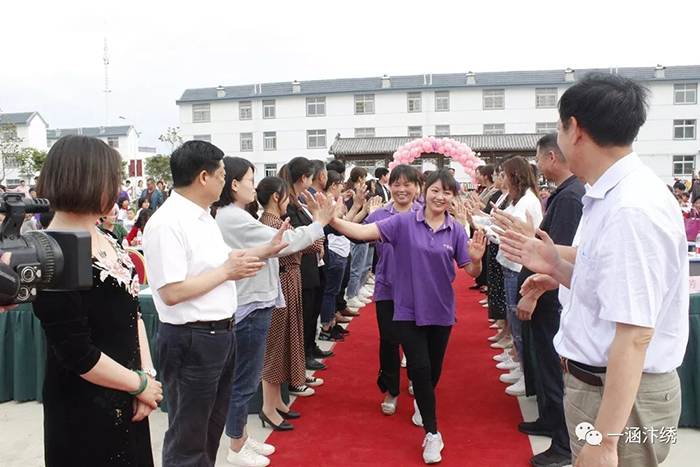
[501, 175]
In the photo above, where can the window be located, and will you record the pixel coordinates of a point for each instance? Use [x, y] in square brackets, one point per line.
[270, 170]
[11, 163]
[113, 142]
[415, 131]
[542, 128]
[685, 93]
[494, 99]
[316, 139]
[684, 129]
[315, 106]
[494, 129]
[270, 141]
[245, 110]
[201, 113]
[442, 101]
[364, 104]
[414, 102]
[683, 166]
[206, 138]
[12, 182]
[269, 109]
[546, 98]
[442, 130]
[364, 132]
[246, 142]
[9, 134]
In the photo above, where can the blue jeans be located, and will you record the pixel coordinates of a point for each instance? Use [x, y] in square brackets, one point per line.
[251, 339]
[510, 281]
[368, 265]
[334, 280]
[358, 260]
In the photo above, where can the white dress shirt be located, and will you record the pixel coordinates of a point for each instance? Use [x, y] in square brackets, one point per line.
[182, 240]
[631, 267]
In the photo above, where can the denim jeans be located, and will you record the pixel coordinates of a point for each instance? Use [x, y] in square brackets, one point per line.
[358, 260]
[197, 369]
[334, 280]
[510, 281]
[251, 339]
[369, 259]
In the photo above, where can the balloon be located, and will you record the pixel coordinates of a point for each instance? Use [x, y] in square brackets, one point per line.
[427, 146]
[470, 164]
[411, 159]
[472, 154]
[448, 147]
[445, 140]
[407, 146]
[424, 138]
[413, 144]
[460, 150]
[441, 150]
[405, 154]
[463, 158]
[431, 140]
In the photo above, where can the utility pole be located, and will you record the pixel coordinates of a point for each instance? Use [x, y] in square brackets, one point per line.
[105, 59]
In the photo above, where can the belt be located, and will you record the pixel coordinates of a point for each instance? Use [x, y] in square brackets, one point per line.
[582, 372]
[221, 325]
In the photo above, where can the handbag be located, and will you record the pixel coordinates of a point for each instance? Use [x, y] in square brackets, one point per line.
[692, 226]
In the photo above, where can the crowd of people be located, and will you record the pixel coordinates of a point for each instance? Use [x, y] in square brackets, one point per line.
[590, 282]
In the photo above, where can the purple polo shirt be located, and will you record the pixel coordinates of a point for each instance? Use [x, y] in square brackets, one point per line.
[384, 273]
[424, 267]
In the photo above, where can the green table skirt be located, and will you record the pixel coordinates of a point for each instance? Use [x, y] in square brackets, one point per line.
[23, 354]
[688, 372]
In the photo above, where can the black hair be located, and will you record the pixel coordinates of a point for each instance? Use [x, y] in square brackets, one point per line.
[143, 200]
[446, 179]
[45, 219]
[236, 168]
[679, 185]
[336, 165]
[549, 143]
[379, 172]
[487, 171]
[355, 175]
[191, 159]
[407, 172]
[333, 178]
[120, 201]
[268, 186]
[292, 171]
[610, 108]
[319, 167]
[144, 215]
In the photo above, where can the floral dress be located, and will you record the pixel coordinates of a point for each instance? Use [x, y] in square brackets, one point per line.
[87, 424]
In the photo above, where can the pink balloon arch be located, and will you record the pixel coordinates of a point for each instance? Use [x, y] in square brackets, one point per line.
[460, 152]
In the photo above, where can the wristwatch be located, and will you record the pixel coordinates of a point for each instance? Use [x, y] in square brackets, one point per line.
[150, 372]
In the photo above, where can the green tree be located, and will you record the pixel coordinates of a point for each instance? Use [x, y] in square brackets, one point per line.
[30, 161]
[172, 138]
[158, 167]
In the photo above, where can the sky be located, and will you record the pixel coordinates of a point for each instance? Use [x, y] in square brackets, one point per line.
[52, 55]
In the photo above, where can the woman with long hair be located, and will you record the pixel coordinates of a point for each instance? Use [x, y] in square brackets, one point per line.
[100, 383]
[257, 298]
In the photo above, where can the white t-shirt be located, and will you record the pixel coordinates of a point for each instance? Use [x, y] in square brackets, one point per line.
[528, 203]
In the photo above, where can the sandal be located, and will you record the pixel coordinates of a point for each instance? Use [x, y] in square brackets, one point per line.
[388, 408]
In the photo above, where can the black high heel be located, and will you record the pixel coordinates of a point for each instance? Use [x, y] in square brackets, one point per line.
[288, 415]
[284, 426]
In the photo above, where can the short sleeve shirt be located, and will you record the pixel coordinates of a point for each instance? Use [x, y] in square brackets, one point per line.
[424, 265]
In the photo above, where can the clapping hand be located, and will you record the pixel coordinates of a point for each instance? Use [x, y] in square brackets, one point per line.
[374, 204]
[277, 244]
[536, 255]
[460, 212]
[537, 284]
[311, 203]
[239, 265]
[505, 221]
[327, 210]
[347, 195]
[477, 246]
[360, 195]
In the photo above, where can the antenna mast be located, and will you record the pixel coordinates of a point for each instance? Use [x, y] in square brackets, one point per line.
[105, 59]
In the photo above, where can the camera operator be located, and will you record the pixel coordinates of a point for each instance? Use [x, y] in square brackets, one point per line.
[100, 384]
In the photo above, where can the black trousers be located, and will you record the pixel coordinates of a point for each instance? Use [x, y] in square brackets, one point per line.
[389, 356]
[197, 370]
[311, 305]
[340, 303]
[544, 326]
[425, 348]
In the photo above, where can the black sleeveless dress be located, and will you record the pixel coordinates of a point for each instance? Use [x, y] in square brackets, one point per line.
[86, 424]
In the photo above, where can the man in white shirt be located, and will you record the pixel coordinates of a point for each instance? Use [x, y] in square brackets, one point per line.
[192, 271]
[624, 324]
[382, 176]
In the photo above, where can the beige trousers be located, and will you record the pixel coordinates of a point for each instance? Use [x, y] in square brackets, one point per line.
[657, 407]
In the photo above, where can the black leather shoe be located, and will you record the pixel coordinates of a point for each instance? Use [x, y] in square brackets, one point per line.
[475, 287]
[534, 428]
[291, 415]
[284, 426]
[550, 458]
[318, 353]
[313, 364]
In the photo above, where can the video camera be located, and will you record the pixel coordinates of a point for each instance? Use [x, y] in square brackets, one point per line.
[58, 260]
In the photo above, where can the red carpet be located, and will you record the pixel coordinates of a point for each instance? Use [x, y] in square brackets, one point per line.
[342, 424]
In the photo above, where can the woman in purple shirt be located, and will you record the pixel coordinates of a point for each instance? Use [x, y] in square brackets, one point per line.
[424, 300]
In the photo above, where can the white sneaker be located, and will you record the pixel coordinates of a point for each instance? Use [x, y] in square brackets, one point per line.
[301, 391]
[508, 364]
[496, 337]
[367, 290]
[502, 357]
[403, 361]
[512, 377]
[410, 388]
[432, 445]
[261, 448]
[517, 389]
[370, 280]
[417, 418]
[485, 300]
[504, 343]
[355, 303]
[494, 326]
[247, 458]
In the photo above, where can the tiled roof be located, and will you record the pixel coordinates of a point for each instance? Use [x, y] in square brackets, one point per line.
[418, 82]
[479, 143]
[97, 131]
[18, 118]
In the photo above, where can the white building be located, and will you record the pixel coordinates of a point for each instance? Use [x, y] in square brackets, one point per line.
[271, 123]
[124, 139]
[31, 128]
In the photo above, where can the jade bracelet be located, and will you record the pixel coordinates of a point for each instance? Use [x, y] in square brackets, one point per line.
[144, 383]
